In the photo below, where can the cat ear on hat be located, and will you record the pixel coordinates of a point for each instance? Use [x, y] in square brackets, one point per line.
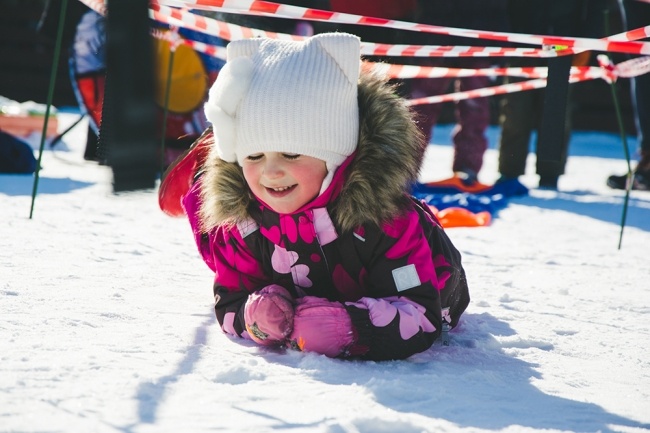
[339, 46]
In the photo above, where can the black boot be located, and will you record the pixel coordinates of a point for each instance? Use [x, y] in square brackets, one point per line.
[640, 177]
[640, 181]
[548, 182]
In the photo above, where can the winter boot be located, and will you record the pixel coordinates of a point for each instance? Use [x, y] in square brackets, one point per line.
[640, 177]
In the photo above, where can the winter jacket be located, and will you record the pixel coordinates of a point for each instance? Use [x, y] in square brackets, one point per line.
[363, 242]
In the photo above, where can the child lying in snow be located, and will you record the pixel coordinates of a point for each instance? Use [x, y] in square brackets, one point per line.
[301, 207]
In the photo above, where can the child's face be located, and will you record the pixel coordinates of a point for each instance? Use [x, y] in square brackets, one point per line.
[284, 181]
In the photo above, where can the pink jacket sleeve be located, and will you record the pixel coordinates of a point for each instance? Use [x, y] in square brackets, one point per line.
[237, 272]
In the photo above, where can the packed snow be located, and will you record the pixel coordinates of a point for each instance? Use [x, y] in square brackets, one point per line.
[107, 322]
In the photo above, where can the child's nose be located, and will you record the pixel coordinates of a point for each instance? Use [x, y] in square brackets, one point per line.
[273, 168]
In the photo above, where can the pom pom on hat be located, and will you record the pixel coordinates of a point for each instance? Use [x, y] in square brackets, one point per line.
[288, 96]
[224, 98]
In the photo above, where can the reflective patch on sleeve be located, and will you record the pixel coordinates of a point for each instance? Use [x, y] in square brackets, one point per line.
[324, 226]
[247, 227]
[406, 277]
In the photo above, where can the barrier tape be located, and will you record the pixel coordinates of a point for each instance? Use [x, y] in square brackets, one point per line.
[200, 23]
[607, 71]
[410, 71]
[201, 47]
[627, 69]
[395, 71]
[630, 68]
[624, 43]
[479, 93]
[183, 18]
[633, 67]
[230, 32]
[396, 50]
[390, 70]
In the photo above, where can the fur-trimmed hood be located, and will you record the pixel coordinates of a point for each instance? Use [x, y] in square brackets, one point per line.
[384, 167]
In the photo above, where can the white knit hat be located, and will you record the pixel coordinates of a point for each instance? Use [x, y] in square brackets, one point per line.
[289, 97]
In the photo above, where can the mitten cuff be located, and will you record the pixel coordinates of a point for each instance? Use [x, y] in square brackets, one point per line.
[362, 331]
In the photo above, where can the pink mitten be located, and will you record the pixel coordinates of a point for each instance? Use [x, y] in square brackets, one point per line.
[268, 314]
[321, 326]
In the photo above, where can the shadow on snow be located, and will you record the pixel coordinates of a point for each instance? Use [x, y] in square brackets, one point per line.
[589, 204]
[23, 184]
[473, 383]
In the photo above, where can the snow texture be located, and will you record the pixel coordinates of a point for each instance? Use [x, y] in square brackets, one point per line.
[107, 323]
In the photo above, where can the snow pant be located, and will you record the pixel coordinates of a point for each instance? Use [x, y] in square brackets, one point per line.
[521, 113]
[473, 115]
[637, 14]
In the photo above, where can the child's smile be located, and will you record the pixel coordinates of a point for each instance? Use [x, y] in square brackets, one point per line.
[281, 191]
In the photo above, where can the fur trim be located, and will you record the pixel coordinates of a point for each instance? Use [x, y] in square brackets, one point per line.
[388, 159]
[225, 197]
[387, 163]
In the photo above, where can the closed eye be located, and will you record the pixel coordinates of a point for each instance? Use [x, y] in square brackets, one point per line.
[291, 156]
[255, 157]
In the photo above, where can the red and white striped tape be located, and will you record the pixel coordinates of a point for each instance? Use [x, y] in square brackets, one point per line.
[201, 47]
[630, 68]
[633, 67]
[608, 72]
[625, 43]
[410, 71]
[627, 69]
[395, 71]
[203, 24]
[577, 74]
[538, 83]
[395, 50]
[229, 32]
[183, 18]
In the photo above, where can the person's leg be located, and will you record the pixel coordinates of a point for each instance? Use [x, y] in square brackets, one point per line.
[641, 88]
[641, 175]
[637, 14]
[642, 97]
[470, 142]
[517, 119]
[551, 139]
[568, 127]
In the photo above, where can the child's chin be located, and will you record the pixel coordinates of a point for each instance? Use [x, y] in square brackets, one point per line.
[283, 209]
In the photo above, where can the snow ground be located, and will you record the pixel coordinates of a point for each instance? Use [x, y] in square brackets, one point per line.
[107, 325]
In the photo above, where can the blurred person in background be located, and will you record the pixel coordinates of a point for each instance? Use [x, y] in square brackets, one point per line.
[637, 14]
[521, 112]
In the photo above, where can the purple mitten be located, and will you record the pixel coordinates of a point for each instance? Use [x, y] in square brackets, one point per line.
[321, 326]
[268, 315]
